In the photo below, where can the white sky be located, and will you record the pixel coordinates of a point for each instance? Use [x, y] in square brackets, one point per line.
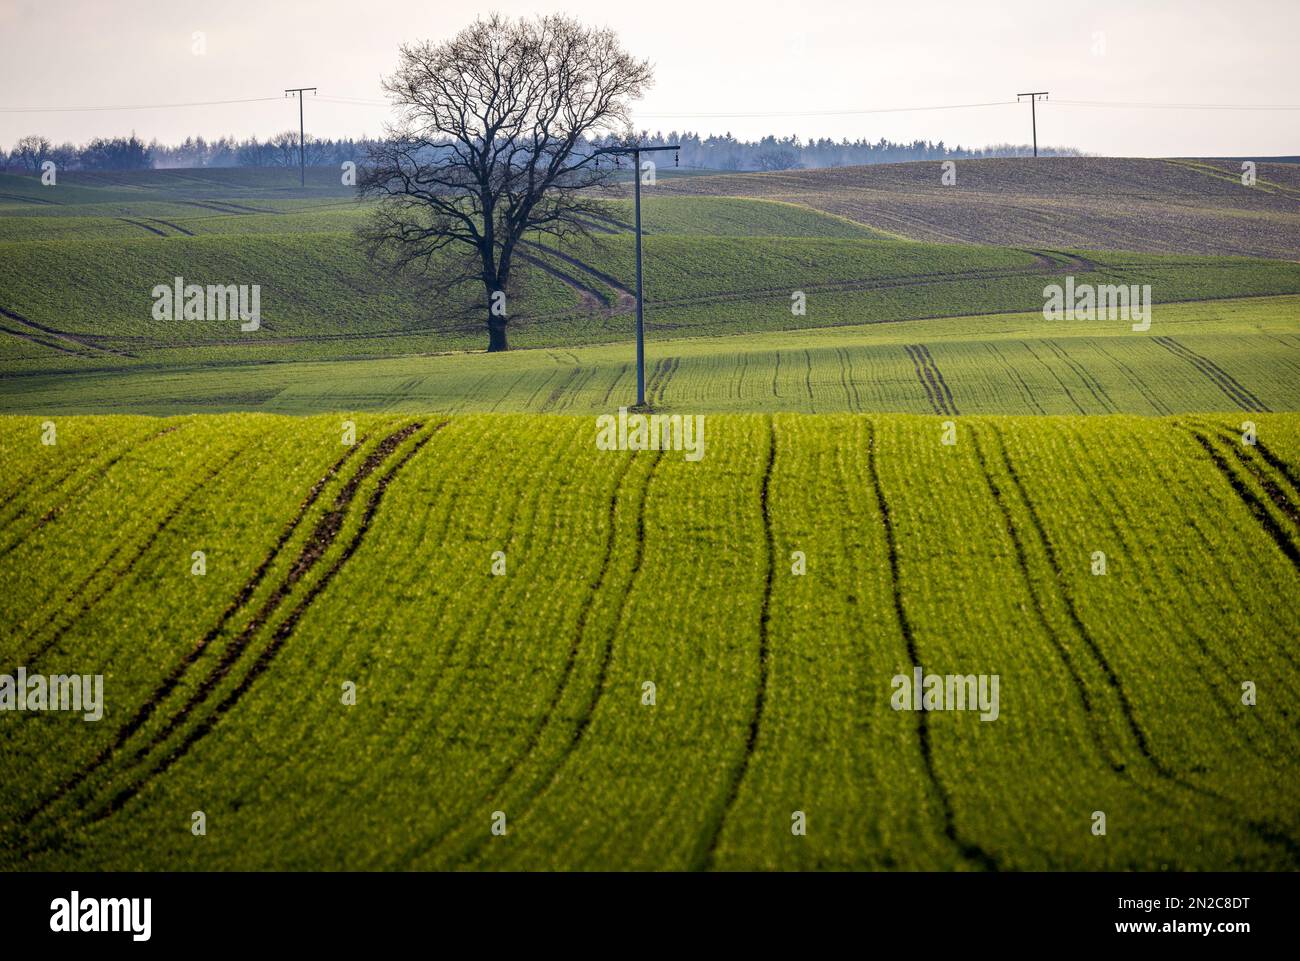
[711, 56]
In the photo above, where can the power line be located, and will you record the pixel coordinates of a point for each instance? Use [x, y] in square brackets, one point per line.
[1179, 106]
[687, 115]
[823, 113]
[138, 106]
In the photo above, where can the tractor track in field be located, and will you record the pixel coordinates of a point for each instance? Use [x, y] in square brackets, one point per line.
[589, 298]
[1015, 375]
[968, 849]
[1055, 376]
[1058, 576]
[177, 674]
[1286, 501]
[663, 371]
[29, 200]
[135, 223]
[318, 544]
[1022, 561]
[605, 278]
[311, 553]
[709, 851]
[322, 537]
[924, 352]
[1123, 522]
[600, 682]
[1226, 383]
[125, 570]
[1283, 491]
[925, 384]
[176, 227]
[622, 371]
[1138, 383]
[1095, 387]
[1044, 265]
[927, 372]
[85, 341]
[1270, 834]
[32, 338]
[580, 629]
[847, 381]
[1285, 542]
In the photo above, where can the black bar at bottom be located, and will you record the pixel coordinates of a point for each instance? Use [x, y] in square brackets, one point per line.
[652, 911]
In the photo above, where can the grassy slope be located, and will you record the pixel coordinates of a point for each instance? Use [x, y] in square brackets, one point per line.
[76, 274]
[1087, 202]
[523, 693]
[1012, 364]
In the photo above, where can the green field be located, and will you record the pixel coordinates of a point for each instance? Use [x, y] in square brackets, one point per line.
[78, 264]
[330, 564]
[1228, 355]
[523, 693]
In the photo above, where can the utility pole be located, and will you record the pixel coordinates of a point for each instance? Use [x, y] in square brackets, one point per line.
[1033, 98]
[302, 163]
[635, 153]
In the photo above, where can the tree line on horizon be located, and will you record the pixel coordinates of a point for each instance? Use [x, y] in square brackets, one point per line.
[712, 152]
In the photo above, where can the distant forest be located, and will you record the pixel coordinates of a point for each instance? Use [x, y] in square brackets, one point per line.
[713, 152]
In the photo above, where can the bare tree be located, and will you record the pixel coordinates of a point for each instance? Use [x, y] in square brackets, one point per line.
[493, 142]
[31, 151]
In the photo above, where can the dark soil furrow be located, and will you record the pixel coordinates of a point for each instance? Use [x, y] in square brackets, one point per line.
[714, 833]
[1225, 381]
[937, 375]
[1285, 543]
[142, 714]
[926, 384]
[311, 554]
[969, 850]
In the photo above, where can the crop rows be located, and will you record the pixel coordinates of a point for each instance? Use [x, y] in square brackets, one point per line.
[525, 692]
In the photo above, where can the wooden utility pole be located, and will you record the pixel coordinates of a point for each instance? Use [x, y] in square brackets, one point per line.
[1033, 118]
[302, 163]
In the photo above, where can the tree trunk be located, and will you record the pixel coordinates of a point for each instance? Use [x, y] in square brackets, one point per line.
[497, 334]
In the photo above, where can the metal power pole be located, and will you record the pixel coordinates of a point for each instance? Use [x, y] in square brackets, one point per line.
[1033, 118]
[302, 163]
[635, 153]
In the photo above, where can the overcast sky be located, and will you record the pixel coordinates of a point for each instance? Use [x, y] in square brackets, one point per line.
[798, 58]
